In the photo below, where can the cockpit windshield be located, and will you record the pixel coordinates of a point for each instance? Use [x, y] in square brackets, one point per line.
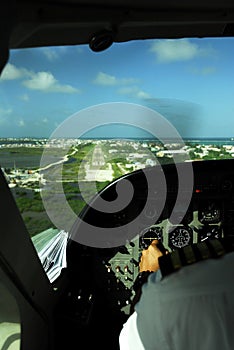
[73, 120]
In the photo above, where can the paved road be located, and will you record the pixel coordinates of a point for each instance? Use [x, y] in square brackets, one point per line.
[94, 171]
[98, 159]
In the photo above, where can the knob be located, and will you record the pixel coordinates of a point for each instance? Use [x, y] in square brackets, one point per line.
[118, 269]
[126, 270]
[128, 278]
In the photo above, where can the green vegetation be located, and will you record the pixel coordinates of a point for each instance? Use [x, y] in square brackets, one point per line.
[76, 161]
[32, 209]
[37, 224]
[209, 153]
[30, 202]
[117, 170]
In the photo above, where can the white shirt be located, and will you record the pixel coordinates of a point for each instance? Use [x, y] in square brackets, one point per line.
[192, 309]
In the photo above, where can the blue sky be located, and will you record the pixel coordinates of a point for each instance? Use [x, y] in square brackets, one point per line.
[190, 82]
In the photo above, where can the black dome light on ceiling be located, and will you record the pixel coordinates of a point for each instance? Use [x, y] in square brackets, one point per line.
[101, 41]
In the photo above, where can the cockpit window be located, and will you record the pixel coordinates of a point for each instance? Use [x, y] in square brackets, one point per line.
[72, 120]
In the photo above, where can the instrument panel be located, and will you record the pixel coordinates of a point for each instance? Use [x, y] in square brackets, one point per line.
[198, 225]
[209, 213]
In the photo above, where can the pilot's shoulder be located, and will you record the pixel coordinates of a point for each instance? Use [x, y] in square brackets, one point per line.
[207, 276]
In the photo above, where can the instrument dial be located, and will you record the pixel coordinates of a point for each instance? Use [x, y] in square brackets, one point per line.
[149, 234]
[180, 237]
[209, 213]
[209, 232]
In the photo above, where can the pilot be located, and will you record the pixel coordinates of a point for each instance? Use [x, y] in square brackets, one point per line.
[190, 309]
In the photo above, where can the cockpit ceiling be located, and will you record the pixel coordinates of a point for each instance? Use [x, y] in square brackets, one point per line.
[48, 23]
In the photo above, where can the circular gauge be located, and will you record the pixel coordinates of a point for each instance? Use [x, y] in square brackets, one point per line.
[209, 232]
[180, 237]
[209, 213]
[149, 235]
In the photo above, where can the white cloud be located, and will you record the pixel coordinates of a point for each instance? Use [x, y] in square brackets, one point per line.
[11, 72]
[42, 81]
[105, 79]
[177, 50]
[24, 97]
[142, 94]
[111, 80]
[45, 120]
[46, 82]
[4, 112]
[203, 70]
[50, 54]
[53, 54]
[134, 91]
[21, 123]
[124, 84]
